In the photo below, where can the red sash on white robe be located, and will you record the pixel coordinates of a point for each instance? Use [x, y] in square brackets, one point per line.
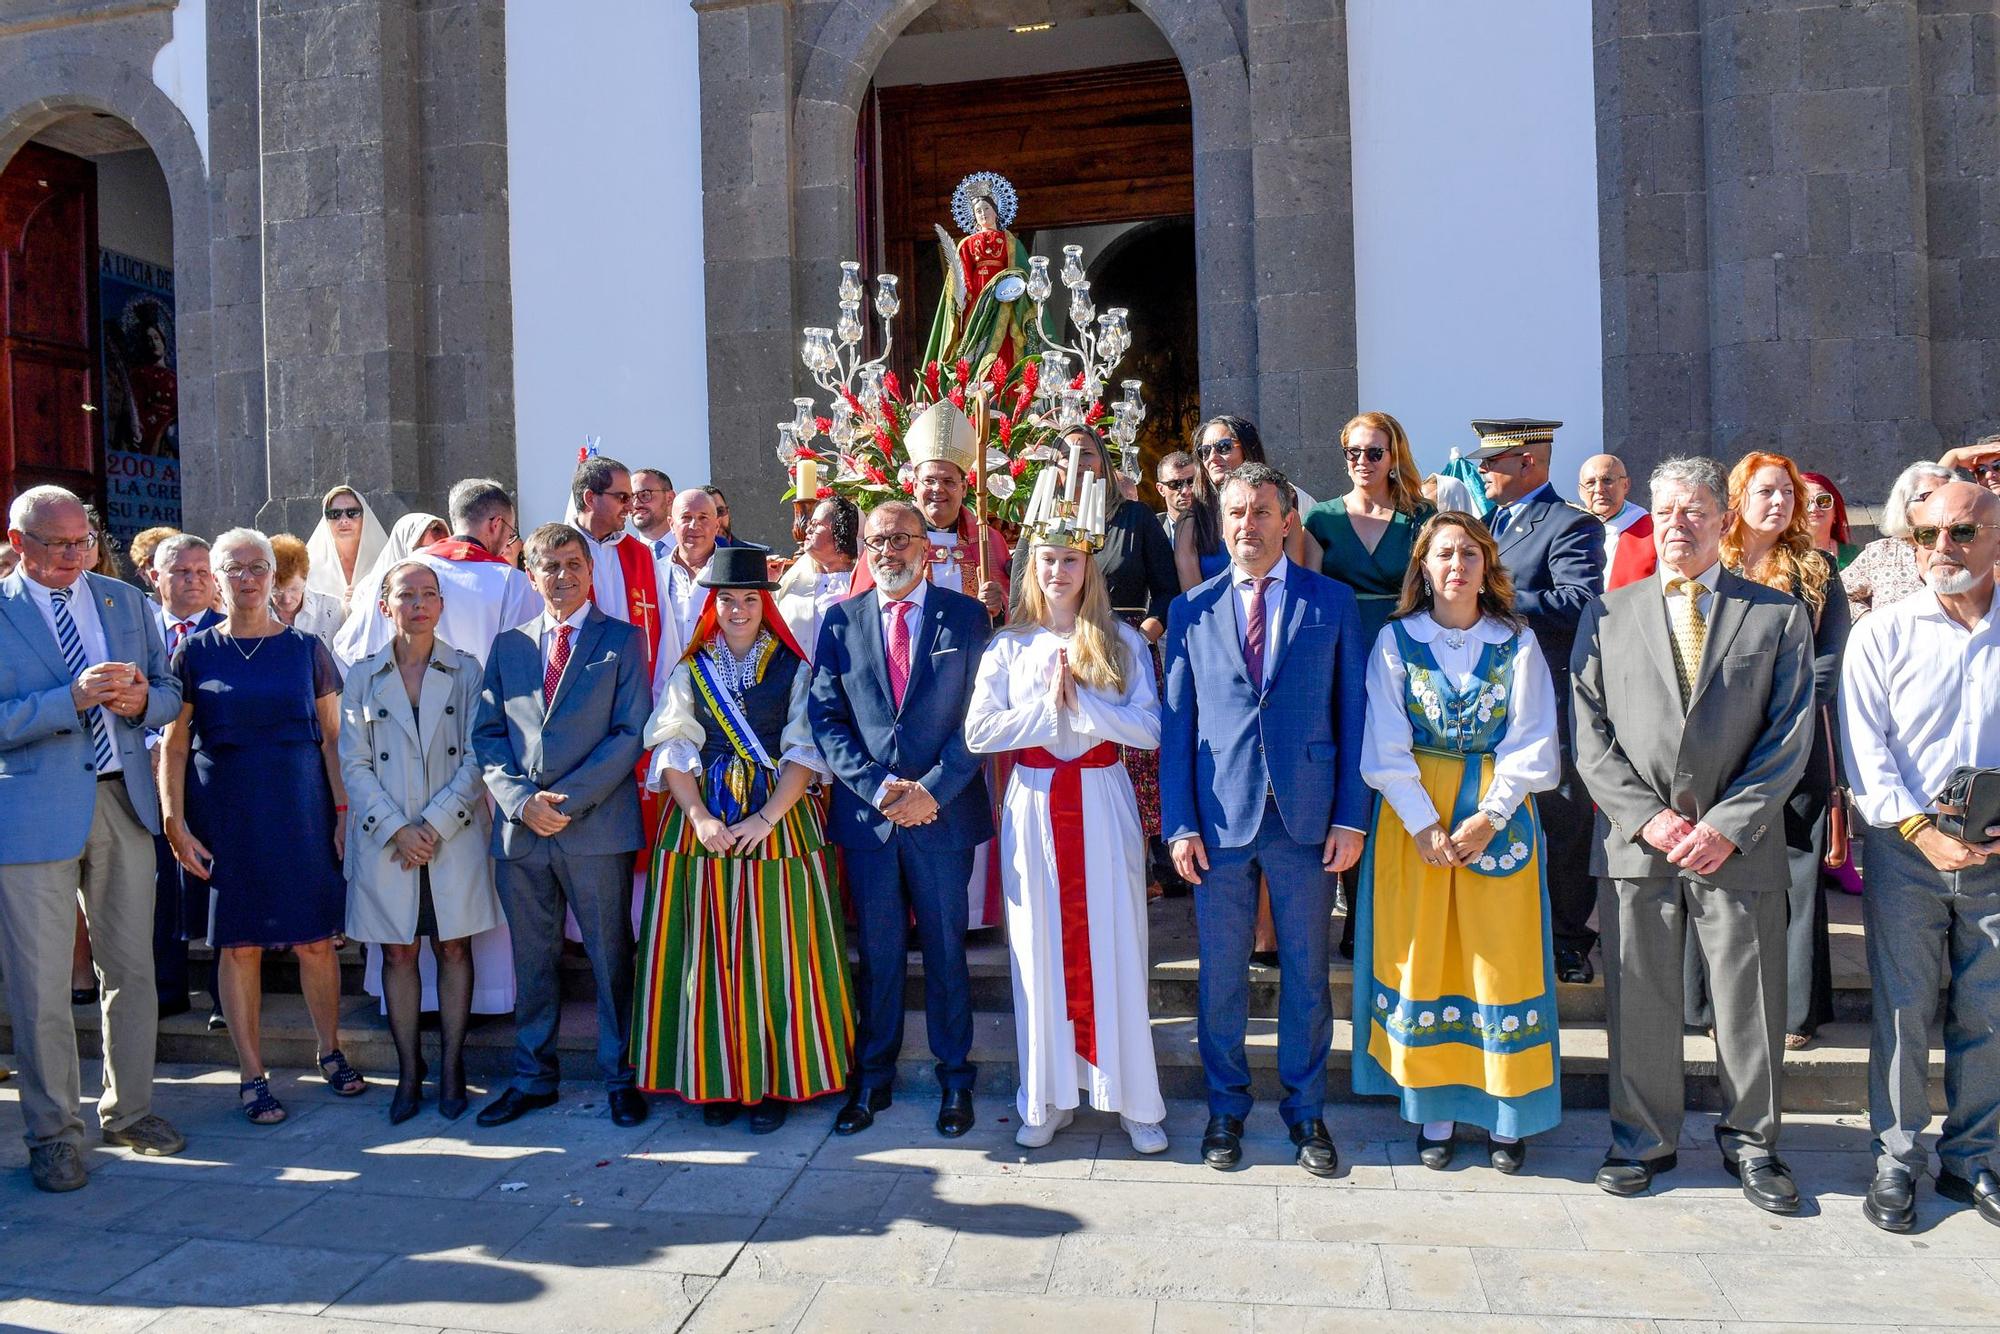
[642, 608]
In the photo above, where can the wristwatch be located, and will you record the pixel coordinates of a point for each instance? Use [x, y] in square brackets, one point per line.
[1494, 818]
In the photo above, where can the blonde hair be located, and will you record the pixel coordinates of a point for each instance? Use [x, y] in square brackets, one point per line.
[1097, 655]
[1496, 588]
[1405, 479]
[1792, 566]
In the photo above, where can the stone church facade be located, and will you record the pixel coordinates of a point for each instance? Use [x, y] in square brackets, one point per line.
[1797, 205]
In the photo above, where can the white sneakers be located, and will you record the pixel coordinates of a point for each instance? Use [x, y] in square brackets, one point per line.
[1146, 1136]
[1038, 1137]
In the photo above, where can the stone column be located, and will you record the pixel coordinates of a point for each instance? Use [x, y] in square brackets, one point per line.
[1959, 47]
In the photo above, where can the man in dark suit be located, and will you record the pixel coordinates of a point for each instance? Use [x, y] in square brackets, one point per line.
[892, 679]
[1554, 552]
[1260, 754]
[1693, 700]
[561, 722]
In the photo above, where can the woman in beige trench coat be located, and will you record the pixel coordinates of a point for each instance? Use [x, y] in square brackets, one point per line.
[417, 862]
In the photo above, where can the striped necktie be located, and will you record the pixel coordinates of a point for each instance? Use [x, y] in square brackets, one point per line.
[75, 659]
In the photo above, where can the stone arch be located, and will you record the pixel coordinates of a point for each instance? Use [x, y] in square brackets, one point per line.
[841, 58]
[34, 94]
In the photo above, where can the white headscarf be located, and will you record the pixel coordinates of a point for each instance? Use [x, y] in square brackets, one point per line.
[403, 543]
[323, 572]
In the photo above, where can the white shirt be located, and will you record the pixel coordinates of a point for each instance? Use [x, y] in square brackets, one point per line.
[545, 632]
[1705, 603]
[1526, 759]
[1919, 696]
[662, 546]
[684, 595]
[168, 621]
[1274, 601]
[89, 629]
[1614, 526]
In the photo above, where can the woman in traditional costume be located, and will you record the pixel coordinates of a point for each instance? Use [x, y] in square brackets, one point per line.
[1062, 688]
[742, 997]
[1454, 972]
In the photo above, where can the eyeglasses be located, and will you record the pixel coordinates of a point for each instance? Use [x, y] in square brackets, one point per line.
[1229, 444]
[1961, 534]
[1493, 461]
[1373, 453]
[1176, 483]
[254, 570]
[1820, 500]
[336, 513]
[890, 541]
[646, 496]
[81, 546]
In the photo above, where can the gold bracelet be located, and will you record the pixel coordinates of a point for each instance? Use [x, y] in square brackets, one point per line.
[1913, 826]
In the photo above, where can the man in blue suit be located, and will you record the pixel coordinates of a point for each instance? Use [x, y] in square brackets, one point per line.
[892, 679]
[561, 722]
[1260, 754]
[83, 674]
[1554, 552]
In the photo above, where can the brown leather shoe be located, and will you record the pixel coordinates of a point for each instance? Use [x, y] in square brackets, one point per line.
[149, 1135]
[57, 1167]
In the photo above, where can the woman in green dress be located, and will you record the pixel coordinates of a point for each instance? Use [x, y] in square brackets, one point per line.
[1364, 539]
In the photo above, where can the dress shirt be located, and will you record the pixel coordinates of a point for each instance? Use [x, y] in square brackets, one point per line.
[1526, 760]
[1512, 510]
[1613, 527]
[1706, 602]
[168, 621]
[1919, 696]
[683, 592]
[545, 632]
[89, 630]
[1274, 601]
[915, 614]
[662, 546]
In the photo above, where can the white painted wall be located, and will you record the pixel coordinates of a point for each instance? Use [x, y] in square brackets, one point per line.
[135, 216]
[180, 70]
[1475, 219]
[604, 184]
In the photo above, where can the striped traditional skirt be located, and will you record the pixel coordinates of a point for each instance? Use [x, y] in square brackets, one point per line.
[742, 990]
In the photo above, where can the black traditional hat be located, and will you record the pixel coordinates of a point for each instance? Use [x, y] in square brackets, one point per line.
[737, 567]
[1497, 436]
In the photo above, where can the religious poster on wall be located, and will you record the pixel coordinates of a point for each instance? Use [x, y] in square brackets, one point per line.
[141, 395]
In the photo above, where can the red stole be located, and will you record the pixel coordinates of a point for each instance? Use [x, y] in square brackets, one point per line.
[642, 608]
[460, 549]
[1632, 555]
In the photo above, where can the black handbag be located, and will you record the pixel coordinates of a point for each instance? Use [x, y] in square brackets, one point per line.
[1969, 805]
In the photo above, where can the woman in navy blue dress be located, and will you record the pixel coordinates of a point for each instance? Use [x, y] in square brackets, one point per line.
[253, 805]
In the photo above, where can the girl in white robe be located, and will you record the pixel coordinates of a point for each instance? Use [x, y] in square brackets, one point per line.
[1062, 687]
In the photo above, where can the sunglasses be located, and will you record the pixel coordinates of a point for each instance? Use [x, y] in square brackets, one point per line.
[1177, 484]
[1373, 453]
[1987, 469]
[1961, 534]
[338, 512]
[1229, 444]
[1820, 500]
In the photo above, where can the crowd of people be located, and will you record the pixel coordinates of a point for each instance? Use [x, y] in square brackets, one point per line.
[1493, 722]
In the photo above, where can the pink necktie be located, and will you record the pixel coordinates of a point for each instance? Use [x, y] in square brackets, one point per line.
[557, 661]
[899, 650]
[1253, 635]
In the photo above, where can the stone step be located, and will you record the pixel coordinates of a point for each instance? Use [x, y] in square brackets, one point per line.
[1830, 1076]
[1175, 974]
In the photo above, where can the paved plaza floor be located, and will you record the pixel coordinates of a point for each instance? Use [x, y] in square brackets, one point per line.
[563, 1223]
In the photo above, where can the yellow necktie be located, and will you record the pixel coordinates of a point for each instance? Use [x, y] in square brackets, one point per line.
[1690, 632]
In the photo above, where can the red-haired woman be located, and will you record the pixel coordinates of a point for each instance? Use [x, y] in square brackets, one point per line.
[742, 997]
[1826, 519]
[1769, 541]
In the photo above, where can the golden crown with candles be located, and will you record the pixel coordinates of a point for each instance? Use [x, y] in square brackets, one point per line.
[1072, 516]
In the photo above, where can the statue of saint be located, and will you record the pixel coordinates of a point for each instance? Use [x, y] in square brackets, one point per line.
[984, 316]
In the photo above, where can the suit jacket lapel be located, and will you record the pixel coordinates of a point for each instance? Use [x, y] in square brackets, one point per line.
[920, 648]
[28, 620]
[580, 653]
[1224, 621]
[1725, 619]
[865, 646]
[1284, 629]
[1654, 629]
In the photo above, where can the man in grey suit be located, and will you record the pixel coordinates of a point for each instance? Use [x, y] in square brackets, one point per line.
[83, 674]
[560, 725]
[1693, 694]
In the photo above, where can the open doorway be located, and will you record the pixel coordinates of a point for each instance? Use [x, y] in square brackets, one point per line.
[89, 362]
[1091, 120]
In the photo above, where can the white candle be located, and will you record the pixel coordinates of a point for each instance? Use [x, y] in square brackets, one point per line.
[1075, 473]
[1041, 506]
[806, 483]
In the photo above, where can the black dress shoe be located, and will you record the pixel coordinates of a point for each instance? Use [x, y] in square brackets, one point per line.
[1434, 1153]
[719, 1113]
[83, 995]
[859, 1112]
[954, 1113]
[512, 1105]
[768, 1116]
[1264, 958]
[1222, 1142]
[1982, 1193]
[172, 1006]
[1767, 1183]
[628, 1107]
[1632, 1176]
[1574, 966]
[1892, 1200]
[1315, 1147]
[216, 1022]
[1506, 1158]
[406, 1104]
